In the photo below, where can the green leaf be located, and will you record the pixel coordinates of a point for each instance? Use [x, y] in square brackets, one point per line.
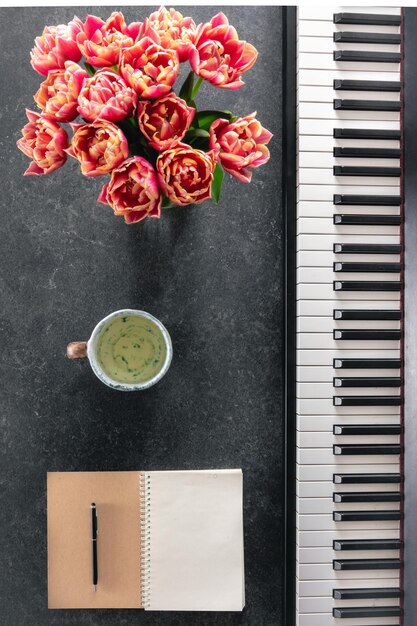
[90, 69]
[196, 87]
[166, 203]
[216, 185]
[187, 88]
[196, 132]
[204, 119]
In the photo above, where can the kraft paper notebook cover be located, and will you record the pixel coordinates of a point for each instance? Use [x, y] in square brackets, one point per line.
[166, 540]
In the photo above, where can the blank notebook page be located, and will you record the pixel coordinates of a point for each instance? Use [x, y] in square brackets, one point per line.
[195, 541]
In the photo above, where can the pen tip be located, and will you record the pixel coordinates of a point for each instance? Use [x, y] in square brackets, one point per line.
[95, 588]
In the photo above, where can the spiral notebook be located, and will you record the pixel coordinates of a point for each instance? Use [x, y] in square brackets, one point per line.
[166, 540]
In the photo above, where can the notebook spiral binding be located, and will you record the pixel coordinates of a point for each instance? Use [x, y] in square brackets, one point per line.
[145, 538]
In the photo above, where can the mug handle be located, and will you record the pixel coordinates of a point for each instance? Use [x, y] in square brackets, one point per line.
[77, 350]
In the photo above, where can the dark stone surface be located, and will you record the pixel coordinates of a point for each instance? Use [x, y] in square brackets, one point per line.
[212, 274]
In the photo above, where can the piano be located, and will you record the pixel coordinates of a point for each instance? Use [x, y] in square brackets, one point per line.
[350, 137]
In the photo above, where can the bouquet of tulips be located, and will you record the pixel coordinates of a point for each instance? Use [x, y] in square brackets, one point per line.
[157, 147]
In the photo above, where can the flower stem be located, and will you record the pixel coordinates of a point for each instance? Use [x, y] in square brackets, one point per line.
[196, 87]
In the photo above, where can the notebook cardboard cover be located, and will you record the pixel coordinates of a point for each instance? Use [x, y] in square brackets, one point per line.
[69, 499]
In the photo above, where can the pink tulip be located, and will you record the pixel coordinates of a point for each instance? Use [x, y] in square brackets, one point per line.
[43, 141]
[133, 191]
[219, 56]
[100, 147]
[240, 145]
[101, 42]
[148, 68]
[164, 121]
[185, 174]
[173, 30]
[106, 96]
[56, 45]
[58, 94]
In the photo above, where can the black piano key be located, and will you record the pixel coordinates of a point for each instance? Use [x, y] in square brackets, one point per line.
[385, 268]
[371, 496]
[384, 38]
[367, 400]
[367, 18]
[367, 593]
[363, 611]
[366, 516]
[366, 85]
[368, 335]
[366, 544]
[362, 479]
[366, 105]
[366, 56]
[363, 133]
[365, 449]
[366, 429]
[366, 285]
[367, 381]
[371, 153]
[365, 200]
[366, 248]
[357, 170]
[366, 314]
[365, 564]
[362, 219]
[341, 363]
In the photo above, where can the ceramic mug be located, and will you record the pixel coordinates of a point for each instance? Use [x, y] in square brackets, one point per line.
[153, 342]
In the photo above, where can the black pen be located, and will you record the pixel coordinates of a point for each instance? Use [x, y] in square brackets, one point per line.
[94, 533]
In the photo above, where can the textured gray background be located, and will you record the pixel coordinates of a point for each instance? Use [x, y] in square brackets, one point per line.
[212, 274]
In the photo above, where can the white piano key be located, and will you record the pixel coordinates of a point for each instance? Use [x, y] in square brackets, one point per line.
[325, 357]
[325, 226]
[325, 538]
[322, 324]
[316, 28]
[325, 522]
[324, 406]
[326, 275]
[322, 439]
[321, 506]
[326, 45]
[323, 12]
[325, 241]
[323, 341]
[326, 619]
[315, 473]
[322, 571]
[326, 258]
[312, 588]
[316, 143]
[326, 159]
[312, 291]
[326, 209]
[307, 556]
[310, 61]
[320, 76]
[316, 193]
[325, 456]
[320, 604]
[326, 94]
[325, 127]
[325, 111]
[325, 307]
[313, 423]
[326, 488]
[320, 456]
[326, 390]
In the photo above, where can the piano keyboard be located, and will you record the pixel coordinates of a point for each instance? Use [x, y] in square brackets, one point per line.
[349, 319]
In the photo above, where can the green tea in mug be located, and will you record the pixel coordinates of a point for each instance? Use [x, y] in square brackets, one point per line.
[131, 349]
